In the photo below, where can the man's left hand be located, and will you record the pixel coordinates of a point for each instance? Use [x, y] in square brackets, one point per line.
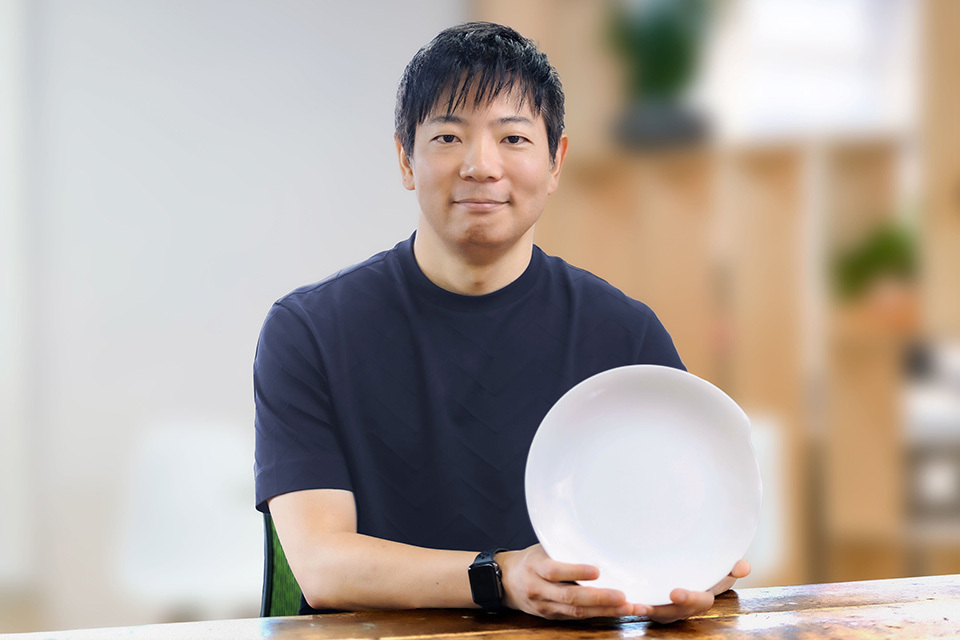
[686, 603]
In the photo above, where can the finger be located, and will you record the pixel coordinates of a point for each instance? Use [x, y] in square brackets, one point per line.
[587, 597]
[554, 571]
[699, 600]
[563, 611]
[574, 601]
[569, 612]
[723, 585]
[741, 569]
[684, 604]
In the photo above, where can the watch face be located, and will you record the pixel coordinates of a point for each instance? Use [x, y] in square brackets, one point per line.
[485, 584]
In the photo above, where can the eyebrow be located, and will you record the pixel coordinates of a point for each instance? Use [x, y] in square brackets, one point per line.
[452, 119]
[514, 120]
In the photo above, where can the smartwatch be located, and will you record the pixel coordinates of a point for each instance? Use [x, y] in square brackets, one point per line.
[486, 582]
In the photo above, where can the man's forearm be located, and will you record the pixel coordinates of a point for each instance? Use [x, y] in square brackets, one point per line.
[351, 571]
[338, 568]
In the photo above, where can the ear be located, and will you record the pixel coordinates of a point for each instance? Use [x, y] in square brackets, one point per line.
[406, 166]
[557, 164]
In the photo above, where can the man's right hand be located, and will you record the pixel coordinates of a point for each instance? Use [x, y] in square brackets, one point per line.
[535, 583]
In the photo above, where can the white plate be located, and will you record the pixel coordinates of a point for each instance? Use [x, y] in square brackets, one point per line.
[647, 473]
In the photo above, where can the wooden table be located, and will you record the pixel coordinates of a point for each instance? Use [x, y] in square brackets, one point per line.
[904, 608]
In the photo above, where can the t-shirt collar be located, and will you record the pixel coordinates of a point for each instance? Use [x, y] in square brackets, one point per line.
[423, 286]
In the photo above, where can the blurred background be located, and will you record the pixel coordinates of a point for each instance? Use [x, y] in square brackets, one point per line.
[778, 179]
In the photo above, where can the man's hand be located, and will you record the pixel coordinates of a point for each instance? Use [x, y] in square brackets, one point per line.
[690, 603]
[536, 584]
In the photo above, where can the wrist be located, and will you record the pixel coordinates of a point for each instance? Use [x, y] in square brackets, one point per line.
[486, 580]
[506, 561]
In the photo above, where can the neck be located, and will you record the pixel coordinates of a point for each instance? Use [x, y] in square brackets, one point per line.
[472, 271]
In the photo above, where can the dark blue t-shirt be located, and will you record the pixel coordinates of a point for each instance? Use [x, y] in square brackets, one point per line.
[423, 402]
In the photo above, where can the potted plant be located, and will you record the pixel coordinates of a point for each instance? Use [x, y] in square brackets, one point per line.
[874, 283]
[660, 42]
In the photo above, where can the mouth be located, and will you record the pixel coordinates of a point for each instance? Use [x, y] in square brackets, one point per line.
[480, 204]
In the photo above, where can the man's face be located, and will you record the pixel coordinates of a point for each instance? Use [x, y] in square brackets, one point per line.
[482, 174]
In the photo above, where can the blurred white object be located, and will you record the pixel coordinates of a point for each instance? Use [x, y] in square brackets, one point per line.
[931, 402]
[939, 482]
[931, 414]
[787, 68]
[768, 550]
[191, 540]
[647, 473]
[946, 365]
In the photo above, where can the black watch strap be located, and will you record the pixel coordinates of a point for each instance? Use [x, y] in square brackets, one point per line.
[487, 556]
[486, 582]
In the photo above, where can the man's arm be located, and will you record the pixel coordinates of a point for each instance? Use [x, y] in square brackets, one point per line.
[338, 568]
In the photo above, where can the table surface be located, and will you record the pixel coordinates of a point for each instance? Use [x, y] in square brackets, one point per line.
[927, 607]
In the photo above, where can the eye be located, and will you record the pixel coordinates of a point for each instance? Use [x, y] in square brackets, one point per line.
[515, 139]
[446, 138]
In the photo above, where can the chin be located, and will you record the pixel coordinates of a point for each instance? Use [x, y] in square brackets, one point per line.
[489, 239]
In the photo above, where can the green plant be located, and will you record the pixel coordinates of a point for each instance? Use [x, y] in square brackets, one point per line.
[660, 41]
[889, 251]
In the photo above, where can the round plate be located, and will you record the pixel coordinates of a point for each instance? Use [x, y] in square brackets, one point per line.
[647, 473]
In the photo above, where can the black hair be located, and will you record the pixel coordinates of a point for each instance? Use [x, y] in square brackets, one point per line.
[484, 57]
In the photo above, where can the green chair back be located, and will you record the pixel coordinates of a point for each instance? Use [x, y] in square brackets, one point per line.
[281, 593]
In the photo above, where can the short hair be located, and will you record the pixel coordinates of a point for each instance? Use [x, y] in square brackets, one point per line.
[487, 58]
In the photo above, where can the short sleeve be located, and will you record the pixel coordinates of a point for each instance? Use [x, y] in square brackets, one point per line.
[657, 346]
[297, 445]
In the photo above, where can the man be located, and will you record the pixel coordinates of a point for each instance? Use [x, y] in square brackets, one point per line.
[396, 400]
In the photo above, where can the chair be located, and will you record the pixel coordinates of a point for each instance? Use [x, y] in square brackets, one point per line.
[281, 593]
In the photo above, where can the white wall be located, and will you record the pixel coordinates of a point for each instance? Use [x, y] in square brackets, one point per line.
[187, 162]
[15, 526]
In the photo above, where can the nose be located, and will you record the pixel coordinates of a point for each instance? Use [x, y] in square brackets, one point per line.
[482, 161]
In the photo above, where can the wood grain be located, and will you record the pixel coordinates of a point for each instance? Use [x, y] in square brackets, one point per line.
[927, 607]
